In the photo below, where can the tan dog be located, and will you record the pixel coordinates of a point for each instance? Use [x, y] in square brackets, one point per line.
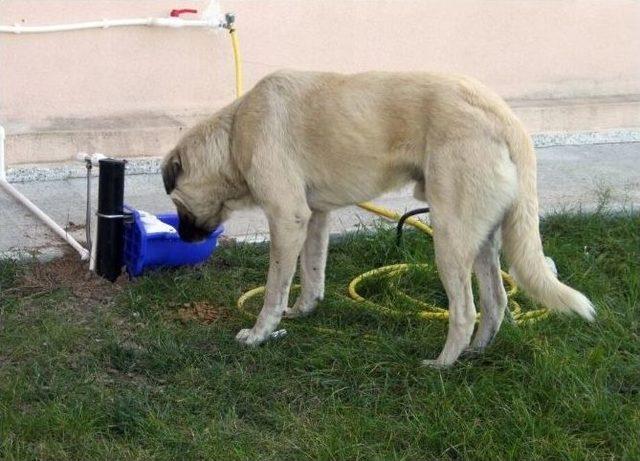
[301, 144]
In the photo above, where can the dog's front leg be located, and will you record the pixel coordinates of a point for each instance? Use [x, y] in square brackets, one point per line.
[287, 231]
[313, 260]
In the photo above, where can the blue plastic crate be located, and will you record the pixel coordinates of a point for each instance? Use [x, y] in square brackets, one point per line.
[144, 250]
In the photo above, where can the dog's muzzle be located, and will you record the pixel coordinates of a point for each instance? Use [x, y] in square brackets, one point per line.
[188, 231]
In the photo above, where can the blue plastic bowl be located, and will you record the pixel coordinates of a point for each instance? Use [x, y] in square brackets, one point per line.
[144, 251]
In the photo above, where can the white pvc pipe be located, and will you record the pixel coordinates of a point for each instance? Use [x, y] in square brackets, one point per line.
[94, 245]
[106, 23]
[84, 254]
[93, 224]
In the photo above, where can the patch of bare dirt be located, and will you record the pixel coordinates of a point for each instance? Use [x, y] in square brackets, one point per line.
[199, 311]
[71, 273]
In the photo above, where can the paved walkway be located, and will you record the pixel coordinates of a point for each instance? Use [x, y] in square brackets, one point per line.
[568, 176]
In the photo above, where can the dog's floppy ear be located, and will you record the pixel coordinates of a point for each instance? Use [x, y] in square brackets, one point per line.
[171, 168]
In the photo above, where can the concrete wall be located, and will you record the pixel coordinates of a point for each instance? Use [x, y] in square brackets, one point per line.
[563, 65]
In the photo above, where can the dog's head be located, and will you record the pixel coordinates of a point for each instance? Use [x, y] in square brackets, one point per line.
[197, 175]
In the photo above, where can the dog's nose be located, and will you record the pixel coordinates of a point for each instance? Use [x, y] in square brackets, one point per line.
[189, 232]
[193, 236]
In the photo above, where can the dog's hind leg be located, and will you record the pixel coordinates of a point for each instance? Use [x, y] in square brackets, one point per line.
[470, 183]
[313, 259]
[454, 258]
[493, 298]
[287, 228]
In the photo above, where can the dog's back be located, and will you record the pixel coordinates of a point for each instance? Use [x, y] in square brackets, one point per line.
[365, 134]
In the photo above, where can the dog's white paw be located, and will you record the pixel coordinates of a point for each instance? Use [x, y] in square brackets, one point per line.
[301, 308]
[291, 313]
[248, 337]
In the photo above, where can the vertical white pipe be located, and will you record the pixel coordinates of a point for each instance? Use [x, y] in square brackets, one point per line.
[94, 246]
[84, 254]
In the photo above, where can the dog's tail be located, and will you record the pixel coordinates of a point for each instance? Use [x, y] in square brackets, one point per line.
[521, 236]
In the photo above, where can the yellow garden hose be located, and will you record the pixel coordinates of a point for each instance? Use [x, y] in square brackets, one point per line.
[236, 60]
[429, 311]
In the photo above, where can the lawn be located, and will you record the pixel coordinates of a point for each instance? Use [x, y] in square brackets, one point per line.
[149, 370]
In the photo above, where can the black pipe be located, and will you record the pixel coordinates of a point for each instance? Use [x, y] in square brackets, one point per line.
[110, 243]
[403, 218]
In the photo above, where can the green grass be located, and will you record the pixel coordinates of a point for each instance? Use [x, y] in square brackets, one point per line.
[121, 378]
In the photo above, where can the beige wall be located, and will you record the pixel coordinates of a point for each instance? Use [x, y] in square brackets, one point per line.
[564, 65]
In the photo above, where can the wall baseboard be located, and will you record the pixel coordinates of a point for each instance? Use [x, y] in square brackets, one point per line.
[151, 165]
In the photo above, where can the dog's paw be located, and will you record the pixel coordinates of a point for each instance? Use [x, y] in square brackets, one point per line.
[248, 337]
[295, 312]
[301, 308]
[291, 313]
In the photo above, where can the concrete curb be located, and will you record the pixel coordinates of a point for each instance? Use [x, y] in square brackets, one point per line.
[151, 165]
[58, 172]
[582, 138]
[41, 255]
